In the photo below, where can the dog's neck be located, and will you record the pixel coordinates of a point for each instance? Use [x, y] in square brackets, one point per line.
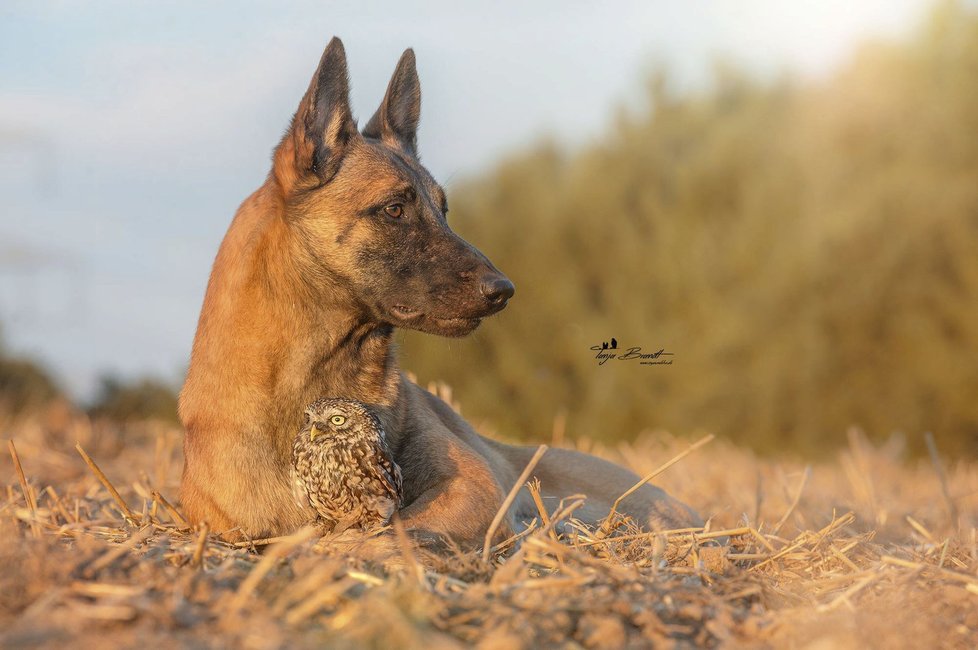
[283, 331]
[327, 345]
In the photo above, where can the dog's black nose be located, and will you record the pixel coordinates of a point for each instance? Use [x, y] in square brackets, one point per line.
[497, 289]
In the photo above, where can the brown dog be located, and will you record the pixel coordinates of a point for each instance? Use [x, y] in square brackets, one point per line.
[346, 240]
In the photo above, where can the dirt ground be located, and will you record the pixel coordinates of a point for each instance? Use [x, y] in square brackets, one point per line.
[868, 550]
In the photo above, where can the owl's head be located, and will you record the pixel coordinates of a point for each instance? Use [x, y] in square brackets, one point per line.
[333, 415]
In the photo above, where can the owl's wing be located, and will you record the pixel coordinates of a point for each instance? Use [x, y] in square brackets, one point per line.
[381, 466]
[299, 490]
[393, 482]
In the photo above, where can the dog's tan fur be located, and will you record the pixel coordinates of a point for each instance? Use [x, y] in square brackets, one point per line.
[297, 309]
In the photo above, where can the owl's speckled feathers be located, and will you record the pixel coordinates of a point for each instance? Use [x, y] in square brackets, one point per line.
[342, 466]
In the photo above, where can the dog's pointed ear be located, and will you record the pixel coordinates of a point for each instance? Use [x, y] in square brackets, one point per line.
[396, 121]
[323, 127]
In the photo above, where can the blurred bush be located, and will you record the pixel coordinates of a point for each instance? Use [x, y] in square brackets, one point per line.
[25, 386]
[27, 390]
[808, 252]
[142, 399]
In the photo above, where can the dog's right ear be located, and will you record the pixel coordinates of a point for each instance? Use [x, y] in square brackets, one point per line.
[323, 126]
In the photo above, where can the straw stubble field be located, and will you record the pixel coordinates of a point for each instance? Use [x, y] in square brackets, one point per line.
[868, 550]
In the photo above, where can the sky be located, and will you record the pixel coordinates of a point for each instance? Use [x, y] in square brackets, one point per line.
[131, 131]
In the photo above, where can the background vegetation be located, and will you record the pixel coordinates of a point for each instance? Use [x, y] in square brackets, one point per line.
[28, 390]
[808, 251]
[25, 387]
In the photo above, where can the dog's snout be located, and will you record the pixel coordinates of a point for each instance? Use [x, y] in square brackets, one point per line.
[497, 289]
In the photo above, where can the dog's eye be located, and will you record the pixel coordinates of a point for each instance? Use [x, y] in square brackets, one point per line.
[337, 420]
[395, 210]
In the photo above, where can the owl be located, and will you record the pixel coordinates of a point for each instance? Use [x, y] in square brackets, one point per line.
[342, 466]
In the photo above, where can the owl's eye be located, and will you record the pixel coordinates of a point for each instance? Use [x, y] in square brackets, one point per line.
[337, 420]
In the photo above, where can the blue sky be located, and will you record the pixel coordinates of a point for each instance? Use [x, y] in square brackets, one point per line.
[131, 131]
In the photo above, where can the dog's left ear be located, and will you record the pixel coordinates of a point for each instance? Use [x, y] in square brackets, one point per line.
[396, 121]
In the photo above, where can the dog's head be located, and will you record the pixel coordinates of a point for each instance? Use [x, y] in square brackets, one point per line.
[370, 218]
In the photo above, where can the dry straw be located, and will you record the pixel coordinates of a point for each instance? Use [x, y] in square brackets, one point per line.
[94, 559]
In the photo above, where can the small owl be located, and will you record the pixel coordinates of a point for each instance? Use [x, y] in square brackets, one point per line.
[342, 466]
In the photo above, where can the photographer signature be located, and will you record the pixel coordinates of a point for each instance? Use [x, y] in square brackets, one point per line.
[608, 352]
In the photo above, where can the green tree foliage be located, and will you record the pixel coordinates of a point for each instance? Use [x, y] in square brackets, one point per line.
[808, 252]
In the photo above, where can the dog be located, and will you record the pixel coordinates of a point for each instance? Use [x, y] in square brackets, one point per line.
[345, 241]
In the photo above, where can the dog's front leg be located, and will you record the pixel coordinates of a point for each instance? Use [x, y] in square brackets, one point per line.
[453, 493]
[458, 509]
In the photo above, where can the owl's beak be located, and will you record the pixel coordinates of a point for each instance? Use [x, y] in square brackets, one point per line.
[313, 432]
